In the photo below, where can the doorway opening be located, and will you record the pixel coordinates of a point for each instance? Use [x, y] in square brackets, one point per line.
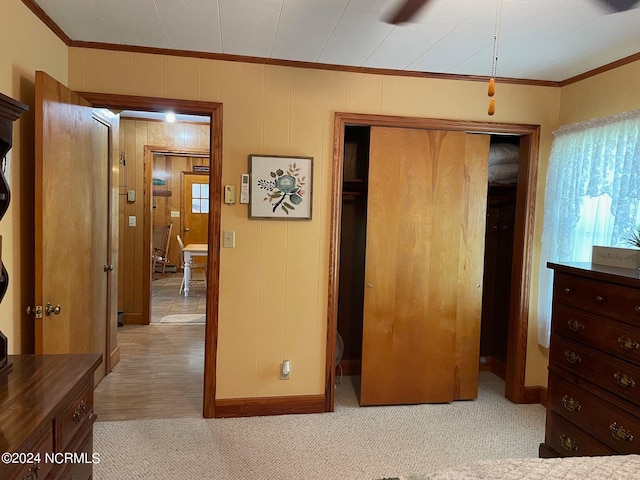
[176, 204]
[505, 346]
[214, 112]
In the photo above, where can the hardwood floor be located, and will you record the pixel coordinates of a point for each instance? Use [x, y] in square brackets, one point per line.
[165, 299]
[161, 368]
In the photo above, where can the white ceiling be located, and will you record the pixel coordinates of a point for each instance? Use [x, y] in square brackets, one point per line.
[550, 40]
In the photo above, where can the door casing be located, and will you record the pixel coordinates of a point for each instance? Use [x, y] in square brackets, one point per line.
[214, 111]
[523, 237]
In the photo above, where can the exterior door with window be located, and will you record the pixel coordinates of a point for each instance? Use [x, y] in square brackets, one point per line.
[195, 206]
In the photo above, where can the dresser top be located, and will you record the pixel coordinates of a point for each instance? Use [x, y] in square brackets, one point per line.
[37, 385]
[624, 276]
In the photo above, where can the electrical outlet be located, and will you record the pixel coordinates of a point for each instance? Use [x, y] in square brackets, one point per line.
[285, 370]
[132, 220]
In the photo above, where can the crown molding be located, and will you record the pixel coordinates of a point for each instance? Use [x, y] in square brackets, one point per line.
[42, 15]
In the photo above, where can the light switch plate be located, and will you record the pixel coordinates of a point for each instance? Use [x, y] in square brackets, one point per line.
[229, 239]
[132, 220]
[131, 196]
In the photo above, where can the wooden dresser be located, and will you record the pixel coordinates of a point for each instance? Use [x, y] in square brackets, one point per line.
[46, 414]
[594, 363]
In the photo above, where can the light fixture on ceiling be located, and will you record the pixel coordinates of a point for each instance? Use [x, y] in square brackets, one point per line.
[170, 117]
[494, 62]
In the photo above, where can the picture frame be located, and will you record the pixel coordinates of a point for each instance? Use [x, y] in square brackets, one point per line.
[281, 187]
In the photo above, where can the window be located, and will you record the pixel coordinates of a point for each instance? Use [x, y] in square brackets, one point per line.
[200, 198]
[592, 196]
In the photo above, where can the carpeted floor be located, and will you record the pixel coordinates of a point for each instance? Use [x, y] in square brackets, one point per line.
[351, 443]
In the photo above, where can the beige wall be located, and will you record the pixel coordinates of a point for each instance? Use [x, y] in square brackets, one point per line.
[273, 294]
[27, 45]
[605, 94]
[281, 266]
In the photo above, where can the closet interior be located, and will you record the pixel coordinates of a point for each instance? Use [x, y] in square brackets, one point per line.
[501, 202]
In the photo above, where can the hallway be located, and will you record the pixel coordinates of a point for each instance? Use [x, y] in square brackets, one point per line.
[161, 368]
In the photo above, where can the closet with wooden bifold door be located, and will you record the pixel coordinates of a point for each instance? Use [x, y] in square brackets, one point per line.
[411, 262]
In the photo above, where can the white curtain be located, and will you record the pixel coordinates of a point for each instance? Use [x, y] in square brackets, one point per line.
[592, 196]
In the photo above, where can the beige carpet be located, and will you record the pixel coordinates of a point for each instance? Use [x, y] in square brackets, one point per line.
[196, 318]
[351, 443]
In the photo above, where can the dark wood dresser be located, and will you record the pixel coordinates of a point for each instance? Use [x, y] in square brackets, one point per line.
[46, 416]
[594, 363]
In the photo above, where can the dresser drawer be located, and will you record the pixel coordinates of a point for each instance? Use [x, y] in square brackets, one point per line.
[615, 301]
[81, 470]
[73, 416]
[611, 374]
[570, 441]
[608, 423]
[44, 446]
[619, 339]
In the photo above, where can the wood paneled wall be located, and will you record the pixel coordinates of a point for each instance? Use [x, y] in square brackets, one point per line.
[134, 136]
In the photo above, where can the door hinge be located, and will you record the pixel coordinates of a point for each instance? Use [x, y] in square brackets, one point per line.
[37, 311]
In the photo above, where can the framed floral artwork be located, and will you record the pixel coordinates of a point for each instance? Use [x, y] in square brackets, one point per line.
[280, 187]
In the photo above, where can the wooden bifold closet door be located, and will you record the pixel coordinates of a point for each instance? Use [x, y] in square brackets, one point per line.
[424, 266]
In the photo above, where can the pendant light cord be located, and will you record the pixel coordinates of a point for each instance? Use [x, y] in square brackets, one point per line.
[496, 38]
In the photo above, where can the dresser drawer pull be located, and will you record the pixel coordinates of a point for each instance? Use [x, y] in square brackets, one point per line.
[568, 291]
[600, 299]
[572, 357]
[619, 433]
[568, 443]
[638, 309]
[628, 344]
[32, 474]
[79, 412]
[570, 404]
[624, 381]
[575, 325]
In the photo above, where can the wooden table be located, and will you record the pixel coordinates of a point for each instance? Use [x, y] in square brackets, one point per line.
[190, 251]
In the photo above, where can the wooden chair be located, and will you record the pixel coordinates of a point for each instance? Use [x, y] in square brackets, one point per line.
[193, 266]
[161, 239]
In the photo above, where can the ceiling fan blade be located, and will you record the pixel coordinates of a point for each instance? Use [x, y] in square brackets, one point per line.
[406, 11]
[619, 5]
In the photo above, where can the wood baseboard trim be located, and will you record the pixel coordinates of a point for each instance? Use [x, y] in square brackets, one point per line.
[134, 319]
[495, 366]
[262, 406]
[535, 395]
[114, 357]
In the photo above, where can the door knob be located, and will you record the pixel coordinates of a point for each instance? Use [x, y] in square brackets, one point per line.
[186, 229]
[49, 309]
[369, 285]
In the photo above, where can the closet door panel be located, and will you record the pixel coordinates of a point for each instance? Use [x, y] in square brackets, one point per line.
[421, 272]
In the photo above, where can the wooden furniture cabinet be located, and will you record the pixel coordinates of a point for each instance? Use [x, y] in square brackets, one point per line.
[594, 363]
[46, 417]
